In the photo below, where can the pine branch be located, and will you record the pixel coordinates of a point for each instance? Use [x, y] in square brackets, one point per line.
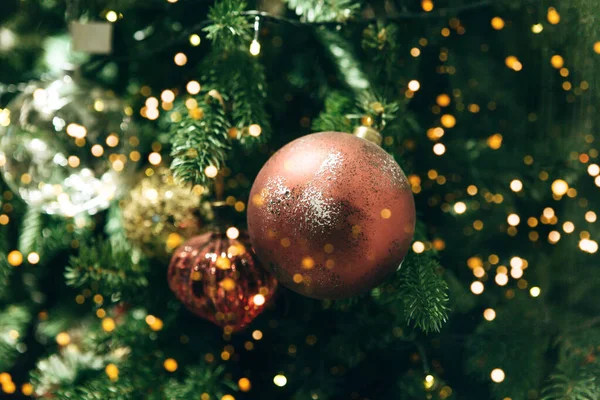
[61, 371]
[324, 11]
[424, 293]
[107, 267]
[246, 87]
[342, 53]
[515, 341]
[236, 82]
[101, 388]
[5, 273]
[420, 289]
[583, 385]
[228, 28]
[577, 372]
[199, 140]
[461, 299]
[31, 231]
[13, 324]
[334, 116]
[376, 105]
[209, 380]
[382, 43]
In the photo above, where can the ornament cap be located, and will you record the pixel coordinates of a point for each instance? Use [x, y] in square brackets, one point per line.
[368, 133]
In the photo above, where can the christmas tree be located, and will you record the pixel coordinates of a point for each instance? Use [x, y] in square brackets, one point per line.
[128, 128]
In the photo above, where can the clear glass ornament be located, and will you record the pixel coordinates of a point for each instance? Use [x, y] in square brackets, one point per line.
[66, 146]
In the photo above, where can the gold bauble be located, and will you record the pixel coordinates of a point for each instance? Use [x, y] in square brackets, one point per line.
[159, 214]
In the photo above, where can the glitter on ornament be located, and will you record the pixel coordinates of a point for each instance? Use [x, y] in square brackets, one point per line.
[65, 146]
[220, 279]
[331, 214]
[159, 214]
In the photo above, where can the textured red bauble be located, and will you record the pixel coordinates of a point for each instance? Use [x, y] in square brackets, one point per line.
[216, 276]
[331, 214]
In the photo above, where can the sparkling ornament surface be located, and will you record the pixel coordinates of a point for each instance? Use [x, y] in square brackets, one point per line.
[65, 146]
[159, 214]
[217, 276]
[331, 214]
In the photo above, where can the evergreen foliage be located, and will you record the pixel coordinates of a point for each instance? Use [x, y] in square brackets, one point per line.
[491, 91]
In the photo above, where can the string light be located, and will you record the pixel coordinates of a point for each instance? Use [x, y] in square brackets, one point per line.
[501, 279]
[443, 100]
[513, 63]
[244, 384]
[590, 216]
[280, 380]
[233, 232]
[560, 187]
[497, 375]
[489, 314]
[513, 220]
[495, 141]
[589, 246]
[255, 45]
[568, 227]
[27, 389]
[557, 61]
[537, 28]
[112, 16]
[477, 287]
[516, 273]
[460, 207]
[554, 237]
[553, 16]
[427, 5]
[255, 48]
[439, 149]
[259, 299]
[193, 87]
[418, 247]
[170, 365]
[255, 130]
[195, 40]
[112, 371]
[167, 96]
[9, 387]
[257, 335]
[429, 382]
[180, 60]
[154, 158]
[448, 121]
[497, 23]
[108, 324]
[414, 85]
[15, 258]
[211, 171]
[516, 185]
[63, 339]
[535, 291]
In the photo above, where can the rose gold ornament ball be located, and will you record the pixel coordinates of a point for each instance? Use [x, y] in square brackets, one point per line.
[331, 215]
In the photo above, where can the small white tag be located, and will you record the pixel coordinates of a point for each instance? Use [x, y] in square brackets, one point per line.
[92, 37]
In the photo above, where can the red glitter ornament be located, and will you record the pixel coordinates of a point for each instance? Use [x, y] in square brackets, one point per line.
[331, 214]
[216, 276]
